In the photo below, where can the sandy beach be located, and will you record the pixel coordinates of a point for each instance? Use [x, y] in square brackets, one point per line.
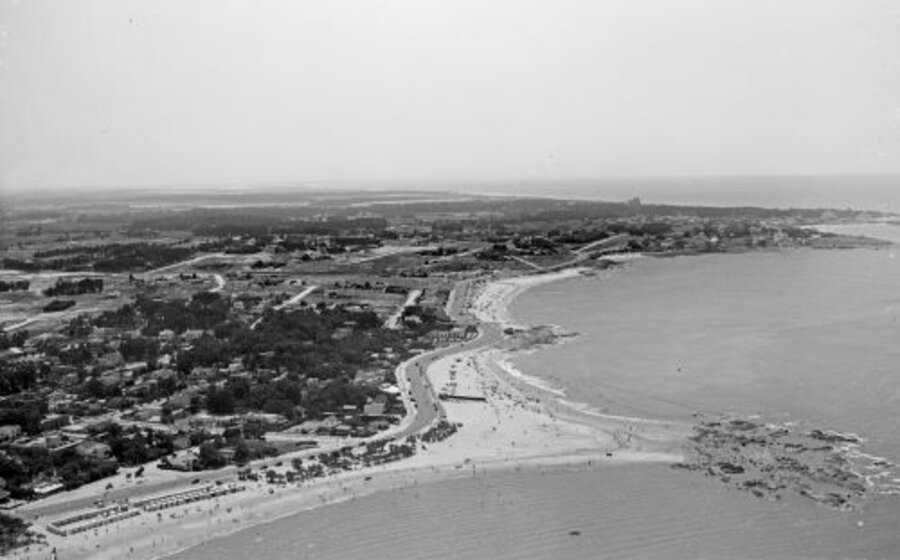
[491, 305]
[504, 422]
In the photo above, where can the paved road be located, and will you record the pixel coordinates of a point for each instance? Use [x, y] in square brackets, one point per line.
[296, 299]
[31, 511]
[428, 408]
[220, 283]
[393, 322]
[187, 262]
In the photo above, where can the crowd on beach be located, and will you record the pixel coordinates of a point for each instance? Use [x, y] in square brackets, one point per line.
[508, 425]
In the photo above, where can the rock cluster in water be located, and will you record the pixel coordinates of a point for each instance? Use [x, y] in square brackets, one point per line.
[768, 460]
[531, 338]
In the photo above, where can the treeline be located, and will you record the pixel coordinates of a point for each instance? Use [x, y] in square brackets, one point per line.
[75, 287]
[72, 469]
[299, 341]
[134, 446]
[304, 360]
[14, 340]
[303, 345]
[287, 397]
[304, 341]
[58, 305]
[205, 310]
[14, 533]
[113, 257]
[258, 222]
[16, 377]
[126, 317]
[14, 286]
[24, 411]
[262, 225]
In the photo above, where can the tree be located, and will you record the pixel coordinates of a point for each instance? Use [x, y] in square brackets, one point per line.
[210, 458]
[220, 401]
[242, 453]
[196, 404]
[13, 532]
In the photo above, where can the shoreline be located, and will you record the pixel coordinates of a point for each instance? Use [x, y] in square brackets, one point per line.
[499, 295]
[515, 424]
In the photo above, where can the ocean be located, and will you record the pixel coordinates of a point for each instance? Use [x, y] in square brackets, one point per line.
[623, 512]
[860, 192]
[804, 336]
[808, 337]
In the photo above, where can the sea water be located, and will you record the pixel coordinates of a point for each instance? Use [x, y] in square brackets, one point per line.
[807, 336]
[803, 336]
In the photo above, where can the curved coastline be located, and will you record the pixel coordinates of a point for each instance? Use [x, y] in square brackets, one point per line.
[511, 424]
[858, 476]
[492, 306]
[523, 424]
[548, 430]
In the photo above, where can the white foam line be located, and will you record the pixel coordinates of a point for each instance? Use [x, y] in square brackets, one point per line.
[537, 382]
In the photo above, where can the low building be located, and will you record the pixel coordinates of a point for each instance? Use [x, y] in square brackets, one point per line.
[374, 409]
[54, 422]
[10, 432]
[342, 430]
[94, 449]
[54, 442]
[42, 489]
[183, 462]
[179, 401]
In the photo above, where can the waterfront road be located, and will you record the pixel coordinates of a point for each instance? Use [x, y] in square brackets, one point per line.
[424, 396]
[428, 408]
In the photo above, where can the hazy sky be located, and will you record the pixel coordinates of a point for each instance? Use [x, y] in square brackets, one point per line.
[137, 92]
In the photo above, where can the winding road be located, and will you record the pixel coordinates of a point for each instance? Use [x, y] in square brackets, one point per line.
[423, 407]
[425, 403]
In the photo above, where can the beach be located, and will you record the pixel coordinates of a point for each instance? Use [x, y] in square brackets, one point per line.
[492, 303]
[504, 424]
[533, 438]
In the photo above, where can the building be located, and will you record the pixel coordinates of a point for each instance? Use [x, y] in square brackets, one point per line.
[183, 462]
[93, 449]
[373, 409]
[42, 489]
[10, 432]
[54, 422]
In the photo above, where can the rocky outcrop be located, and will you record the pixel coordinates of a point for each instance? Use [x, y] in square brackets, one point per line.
[769, 460]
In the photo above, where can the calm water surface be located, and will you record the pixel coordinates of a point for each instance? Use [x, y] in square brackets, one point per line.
[807, 336]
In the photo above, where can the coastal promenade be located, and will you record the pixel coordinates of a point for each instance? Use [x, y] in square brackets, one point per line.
[425, 398]
[427, 409]
[510, 425]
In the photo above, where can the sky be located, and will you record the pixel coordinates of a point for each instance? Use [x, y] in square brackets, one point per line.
[123, 93]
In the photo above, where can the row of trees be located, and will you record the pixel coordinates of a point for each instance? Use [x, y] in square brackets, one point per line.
[134, 446]
[112, 257]
[205, 310]
[16, 377]
[14, 286]
[12, 340]
[287, 396]
[14, 533]
[58, 305]
[65, 287]
[30, 464]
